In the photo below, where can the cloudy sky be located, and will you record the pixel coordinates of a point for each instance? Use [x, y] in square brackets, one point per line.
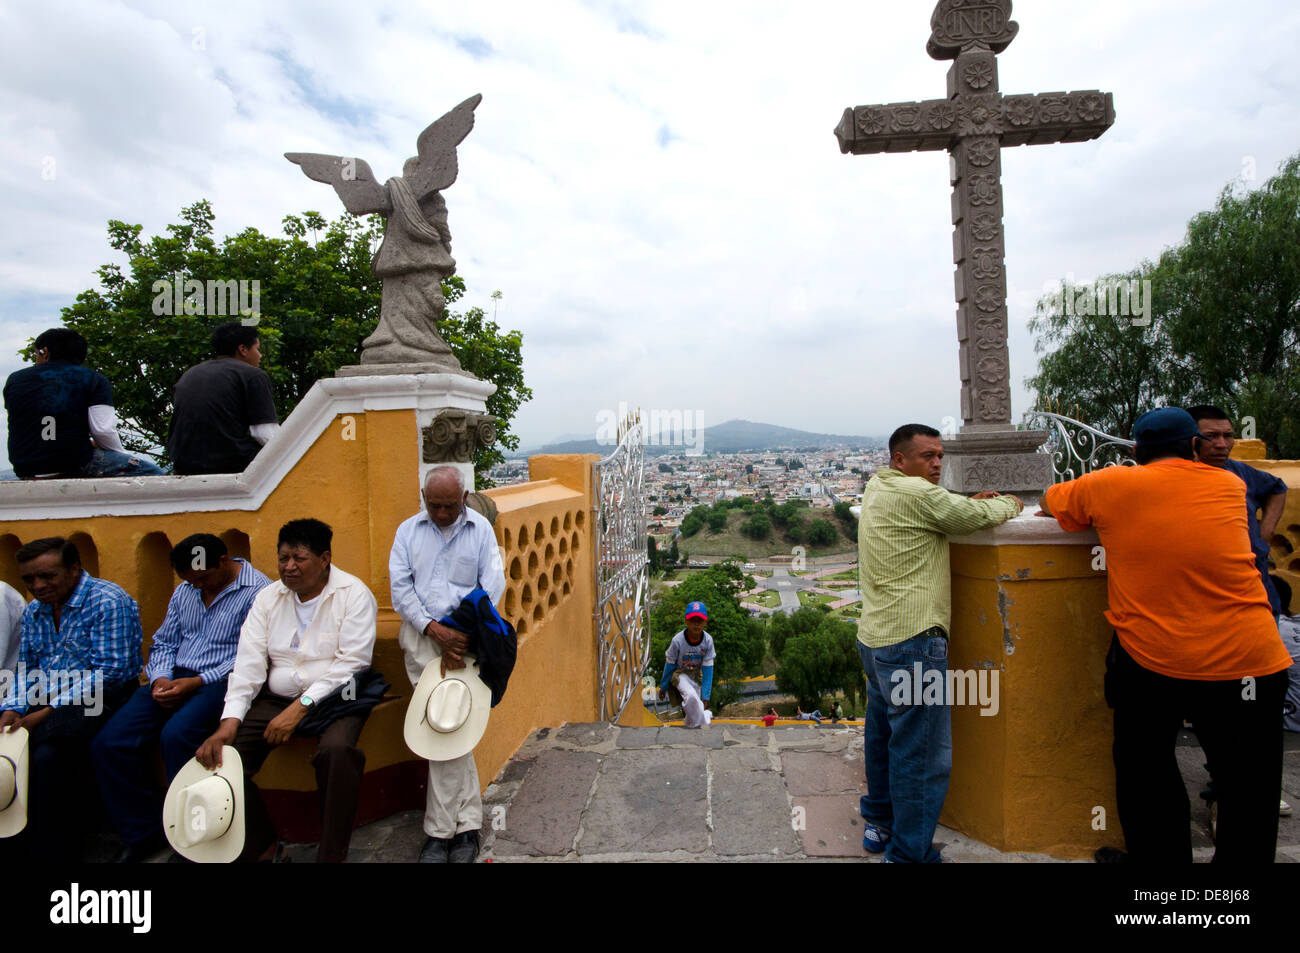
[654, 187]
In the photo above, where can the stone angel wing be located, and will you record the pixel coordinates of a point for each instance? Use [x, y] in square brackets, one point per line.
[435, 167]
[351, 178]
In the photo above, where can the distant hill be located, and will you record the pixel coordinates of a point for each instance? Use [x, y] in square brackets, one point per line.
[733, 436]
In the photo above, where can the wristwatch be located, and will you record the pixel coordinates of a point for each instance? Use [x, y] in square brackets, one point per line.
[305, 701]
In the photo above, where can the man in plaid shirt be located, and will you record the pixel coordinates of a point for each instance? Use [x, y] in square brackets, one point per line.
[78, 662]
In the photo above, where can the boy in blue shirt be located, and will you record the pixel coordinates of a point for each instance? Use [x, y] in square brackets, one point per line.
[688, 667]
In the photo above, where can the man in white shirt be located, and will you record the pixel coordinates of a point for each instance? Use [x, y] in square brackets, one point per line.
[439, 556]
[305, 637]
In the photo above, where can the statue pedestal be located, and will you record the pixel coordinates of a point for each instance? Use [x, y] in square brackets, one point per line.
[385, 370]
[1032, 769]
[433, 395]
[999, 459]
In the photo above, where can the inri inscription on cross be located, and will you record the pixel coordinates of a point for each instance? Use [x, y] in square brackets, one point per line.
[974, 123]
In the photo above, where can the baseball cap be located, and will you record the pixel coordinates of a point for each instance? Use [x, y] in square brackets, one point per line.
[696, 608]
[1164, 426]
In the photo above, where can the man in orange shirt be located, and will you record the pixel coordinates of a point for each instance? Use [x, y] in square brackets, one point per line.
[1194, 638]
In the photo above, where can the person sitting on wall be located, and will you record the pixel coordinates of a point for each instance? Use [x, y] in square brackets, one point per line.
[192, 654]
[307, 641]
[223, 410]
[1194, 638]
[56, 409]
[78, 663]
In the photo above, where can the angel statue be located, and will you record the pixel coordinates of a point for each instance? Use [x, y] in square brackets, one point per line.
[415, 255]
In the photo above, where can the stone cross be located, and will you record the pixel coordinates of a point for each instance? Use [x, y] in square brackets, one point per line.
[974, 123]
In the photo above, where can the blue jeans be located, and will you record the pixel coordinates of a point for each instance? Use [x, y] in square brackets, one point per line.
[123, 754]
[110, 463]
[907, 746]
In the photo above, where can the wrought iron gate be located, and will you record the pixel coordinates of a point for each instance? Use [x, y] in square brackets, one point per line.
[622, 569]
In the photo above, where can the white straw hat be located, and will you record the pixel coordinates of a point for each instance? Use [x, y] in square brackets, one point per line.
[447, 715]
[13, 781]
[203, 812]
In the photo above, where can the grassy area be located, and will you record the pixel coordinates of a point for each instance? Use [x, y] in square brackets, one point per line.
[850, 575]
[768, 600]
[732, 541]
[851, 611]
[807, 598]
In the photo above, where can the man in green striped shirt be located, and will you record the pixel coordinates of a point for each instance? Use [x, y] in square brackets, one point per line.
[903, 638]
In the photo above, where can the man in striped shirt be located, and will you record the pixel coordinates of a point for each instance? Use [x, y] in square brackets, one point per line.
[193, 652]
[903, 633]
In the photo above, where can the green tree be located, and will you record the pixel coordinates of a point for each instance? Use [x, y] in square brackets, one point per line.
[822, 533]
[318, 297]
[652, 554]
[660, 511]
[757, 526]
[737, 638]
[781, 626]
[673, 556]
[821, 661]
[717, 520]
[1224, 326]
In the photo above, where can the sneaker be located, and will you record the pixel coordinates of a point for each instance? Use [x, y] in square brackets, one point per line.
[435, 850]
[1283, 809]
[464, 848]
[875, 839]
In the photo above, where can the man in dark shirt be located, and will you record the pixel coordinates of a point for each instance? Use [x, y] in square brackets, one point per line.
[222, 411]
[55, 409]
[1265, 493]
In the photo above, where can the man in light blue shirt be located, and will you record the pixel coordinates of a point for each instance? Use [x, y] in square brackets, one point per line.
[192, 654]
[439, 556]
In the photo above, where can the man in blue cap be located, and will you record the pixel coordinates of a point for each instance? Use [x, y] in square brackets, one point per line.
[688, 667]
[1194, 638]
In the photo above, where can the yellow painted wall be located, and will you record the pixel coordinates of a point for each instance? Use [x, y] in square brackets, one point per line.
[1029, 777]
[364, 488]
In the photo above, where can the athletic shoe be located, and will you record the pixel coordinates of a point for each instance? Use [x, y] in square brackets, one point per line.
[875, 839]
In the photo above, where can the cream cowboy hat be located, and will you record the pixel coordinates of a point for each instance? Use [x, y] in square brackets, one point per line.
[447, 715]
[13, 781]
[203, 813]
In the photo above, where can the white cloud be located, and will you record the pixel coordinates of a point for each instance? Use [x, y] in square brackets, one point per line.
[655, 188]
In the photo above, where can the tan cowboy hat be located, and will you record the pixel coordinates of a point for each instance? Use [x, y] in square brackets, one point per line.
[203, 813]
[447, 715]
[13, 781]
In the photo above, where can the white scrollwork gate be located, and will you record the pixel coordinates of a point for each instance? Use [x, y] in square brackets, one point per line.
[622, 570]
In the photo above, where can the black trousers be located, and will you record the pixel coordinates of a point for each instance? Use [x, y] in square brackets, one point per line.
[339, 765]
[63, 804]
[1239, 723]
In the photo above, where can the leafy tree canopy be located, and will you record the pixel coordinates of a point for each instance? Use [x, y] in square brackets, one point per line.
[1223, 325]
[318, 300]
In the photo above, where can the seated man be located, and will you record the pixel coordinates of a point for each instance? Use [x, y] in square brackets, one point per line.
[78, 662]
[306, 637]
[11, 627]
[223, 411]
[56, 407]
[193, 652]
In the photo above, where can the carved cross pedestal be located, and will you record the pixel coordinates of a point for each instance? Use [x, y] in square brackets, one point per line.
[973, 124]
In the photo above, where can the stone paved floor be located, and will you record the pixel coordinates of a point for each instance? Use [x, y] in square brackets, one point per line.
[728, 793]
